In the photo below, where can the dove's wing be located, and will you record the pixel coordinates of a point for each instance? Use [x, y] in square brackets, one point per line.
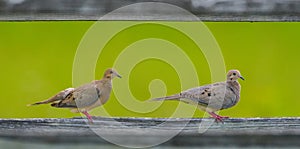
[83, 96]
[213, 96]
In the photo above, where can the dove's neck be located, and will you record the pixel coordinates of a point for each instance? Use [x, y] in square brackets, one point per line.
[235, 86]
[105, 82]
[107, 79]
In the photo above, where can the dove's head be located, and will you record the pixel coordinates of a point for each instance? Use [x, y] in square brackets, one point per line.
[234, 75]
[111, 73]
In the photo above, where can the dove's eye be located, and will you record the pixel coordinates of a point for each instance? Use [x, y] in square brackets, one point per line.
[234, 73]
[111, 72]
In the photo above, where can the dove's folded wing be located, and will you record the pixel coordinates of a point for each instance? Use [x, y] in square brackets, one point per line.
[80, 97]
[209, 95]
[87, 96]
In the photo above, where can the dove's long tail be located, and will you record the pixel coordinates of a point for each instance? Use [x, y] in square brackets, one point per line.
[50, 100]
[37, 103]
[59, 96]
[172, 97]
[42, 102]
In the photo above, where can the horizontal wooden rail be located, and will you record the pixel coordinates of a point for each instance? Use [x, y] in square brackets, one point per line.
[205, 10]
[233, 132]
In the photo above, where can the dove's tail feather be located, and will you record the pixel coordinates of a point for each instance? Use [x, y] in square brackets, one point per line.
[40, 102]
[55, 105]
[172, 97]
[50, 100]
[59, 96]
[63, 105]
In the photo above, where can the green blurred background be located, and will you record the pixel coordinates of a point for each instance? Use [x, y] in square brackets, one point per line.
[36, 60]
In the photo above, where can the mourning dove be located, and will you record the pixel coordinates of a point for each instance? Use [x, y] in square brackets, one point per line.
[212, 97]
[86, 97]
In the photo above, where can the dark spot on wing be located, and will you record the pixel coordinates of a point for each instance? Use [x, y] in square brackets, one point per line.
[209, 94]
[68, 96]
[202, 103]
[98, 92]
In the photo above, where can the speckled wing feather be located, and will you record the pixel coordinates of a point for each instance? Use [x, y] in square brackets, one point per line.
[80, 97]
[215, 96]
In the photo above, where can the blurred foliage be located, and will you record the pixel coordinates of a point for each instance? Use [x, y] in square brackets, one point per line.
[36, 62]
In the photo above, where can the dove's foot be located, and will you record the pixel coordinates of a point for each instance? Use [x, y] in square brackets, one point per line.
[217, 117]
[89, 117]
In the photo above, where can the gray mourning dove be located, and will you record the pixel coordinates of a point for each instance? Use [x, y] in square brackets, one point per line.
[212, 97]
[86, 97]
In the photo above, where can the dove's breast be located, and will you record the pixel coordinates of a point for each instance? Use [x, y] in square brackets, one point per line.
[105, 94]
[232, 95]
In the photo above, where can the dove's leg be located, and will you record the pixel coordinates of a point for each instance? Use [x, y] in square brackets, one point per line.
[218, 117]
[88, 116]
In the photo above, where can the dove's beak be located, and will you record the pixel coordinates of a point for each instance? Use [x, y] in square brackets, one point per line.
[119, 76]
[242, 78]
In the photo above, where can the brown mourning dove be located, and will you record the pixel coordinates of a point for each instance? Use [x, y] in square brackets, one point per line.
[212, 97]
[86, 97]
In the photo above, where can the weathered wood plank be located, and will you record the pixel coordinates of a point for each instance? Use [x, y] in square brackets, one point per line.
[234, 132]
[206, 10]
